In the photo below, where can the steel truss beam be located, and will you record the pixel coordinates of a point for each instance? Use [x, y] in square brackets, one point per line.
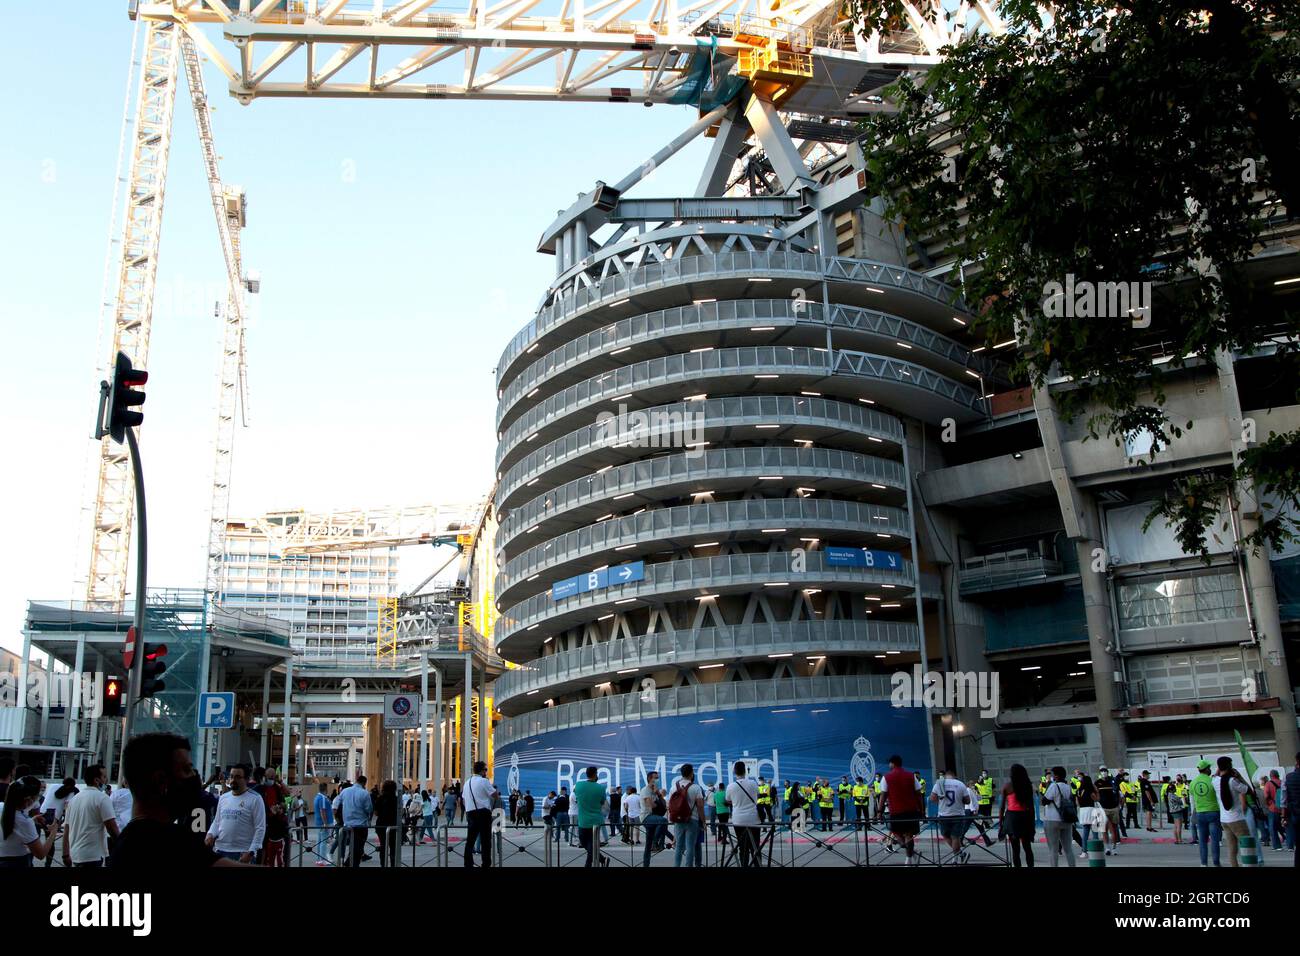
[642, 48]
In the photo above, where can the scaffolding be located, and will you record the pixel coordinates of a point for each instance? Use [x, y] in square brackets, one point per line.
[386, 632]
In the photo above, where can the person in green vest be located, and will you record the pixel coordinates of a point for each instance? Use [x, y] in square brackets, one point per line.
[785, 802]
[764, 801]
[1076, 780]
[861, 802]
[845, 793]
[1209, 831]
[984, 790]
[809, 794]
[826, 804]
[878, 796]
[721, 812]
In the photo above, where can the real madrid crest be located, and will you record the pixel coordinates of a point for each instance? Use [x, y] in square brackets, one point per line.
[863, 764]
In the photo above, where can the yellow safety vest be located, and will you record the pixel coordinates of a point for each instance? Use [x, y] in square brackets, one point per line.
[1075, 784]
[764, 793]
[787, 794]
[877, 787]
[985, 791]
[860, 792]
[845, 790]
[827, 797]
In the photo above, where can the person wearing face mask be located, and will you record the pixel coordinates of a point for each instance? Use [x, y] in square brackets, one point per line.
[20, 841]
[89, 822]
[164, 787]
[239, 827]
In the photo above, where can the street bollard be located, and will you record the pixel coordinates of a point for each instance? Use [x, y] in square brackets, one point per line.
[1247, 850]
[1096, 851]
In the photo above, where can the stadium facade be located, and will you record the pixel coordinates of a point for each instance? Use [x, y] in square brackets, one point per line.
[752, 464]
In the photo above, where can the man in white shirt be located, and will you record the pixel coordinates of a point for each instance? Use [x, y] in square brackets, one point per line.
[742, 794]
[89, 820]
[951, 795]
[631, 809]
[478, 795]
[239, 826]
[123, 804]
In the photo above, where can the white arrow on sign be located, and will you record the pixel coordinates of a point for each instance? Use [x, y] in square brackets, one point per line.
[625, 573]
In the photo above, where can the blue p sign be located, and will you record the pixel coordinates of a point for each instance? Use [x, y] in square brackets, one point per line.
[217, 711]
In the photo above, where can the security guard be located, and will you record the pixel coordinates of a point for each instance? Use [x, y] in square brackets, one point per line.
[878, 795]
[920, 780]
[826, 804]
[785, 801]
[984, 789]
[1076, 781]
[809, 794]
[1043, 781]
[764, 801]
[845, 793]
[1131, 791]
[861, 801]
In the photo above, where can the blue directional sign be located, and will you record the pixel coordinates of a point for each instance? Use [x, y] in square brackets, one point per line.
[864, 558]
[216, 711]
[596, 580]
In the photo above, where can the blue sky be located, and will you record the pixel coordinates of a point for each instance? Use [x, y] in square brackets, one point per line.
[396, 242]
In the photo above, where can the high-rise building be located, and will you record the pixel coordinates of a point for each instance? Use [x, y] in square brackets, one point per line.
[329, 597]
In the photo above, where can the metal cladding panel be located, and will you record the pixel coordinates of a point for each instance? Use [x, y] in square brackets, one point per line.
[783, 742]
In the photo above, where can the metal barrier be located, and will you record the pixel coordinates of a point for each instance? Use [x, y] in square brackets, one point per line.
[788, 843]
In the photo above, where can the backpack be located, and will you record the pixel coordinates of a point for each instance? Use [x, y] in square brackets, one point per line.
[659, 808]
[1067, 808]
[679, 805]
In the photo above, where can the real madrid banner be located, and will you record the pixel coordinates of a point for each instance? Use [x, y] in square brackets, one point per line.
[778, 743]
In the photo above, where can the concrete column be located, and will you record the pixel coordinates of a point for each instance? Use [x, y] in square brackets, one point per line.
[1259, 576]
[1082, 526]
[288, 717]
[73, 707]
[302, 746]
[466, 760]
[266, 716]
[920, 611]
[421, 766]
[93, 743]
[1103, 648]
[435, 748]
[24, 673]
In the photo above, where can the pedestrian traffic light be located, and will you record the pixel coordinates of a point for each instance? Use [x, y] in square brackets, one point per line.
[154, 665]
[124, 397]
[112, 697]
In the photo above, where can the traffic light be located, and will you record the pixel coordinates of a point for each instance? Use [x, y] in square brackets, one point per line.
[125, 397]
[154, 665]
[112, 697]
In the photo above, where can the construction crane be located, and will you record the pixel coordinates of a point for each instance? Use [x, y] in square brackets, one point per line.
[131, 302]
[803, 56]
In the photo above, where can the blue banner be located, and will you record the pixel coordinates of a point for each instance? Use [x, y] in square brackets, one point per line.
[864, 558]
[778, 743]
[596, 580]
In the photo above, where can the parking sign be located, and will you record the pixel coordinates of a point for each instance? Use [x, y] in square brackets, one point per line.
[216, 710]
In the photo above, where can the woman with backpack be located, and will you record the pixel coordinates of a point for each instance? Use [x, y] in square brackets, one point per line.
[1060, 812]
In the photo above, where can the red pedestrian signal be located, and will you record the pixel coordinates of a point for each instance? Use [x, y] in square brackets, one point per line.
[112, 697]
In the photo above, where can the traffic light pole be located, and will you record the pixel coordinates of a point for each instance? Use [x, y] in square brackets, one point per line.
[136, 677]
